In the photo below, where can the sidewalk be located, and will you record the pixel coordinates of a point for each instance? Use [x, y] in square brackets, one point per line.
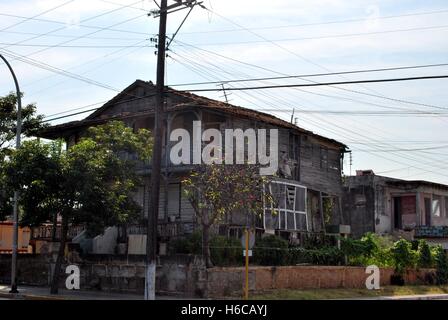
[408, 297]
[43, 293]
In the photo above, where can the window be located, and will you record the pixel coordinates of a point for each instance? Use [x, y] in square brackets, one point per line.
[323, 158]
[294, 145]
[436, 200]
[288, 212]
[174, 194]
[446, 207]
[334, 160]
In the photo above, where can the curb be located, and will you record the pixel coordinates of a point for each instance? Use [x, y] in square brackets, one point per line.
[418, 297]
[406, 297]
[20, 296]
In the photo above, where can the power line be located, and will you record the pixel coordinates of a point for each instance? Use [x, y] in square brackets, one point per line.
[64, 23]
[309, 92]
[47, 67]
[318, 23]
[51, 117]
[291, 52]
[119, 4]
[37, 15]
[404, 149]
[52, 86]
[70, 36]
[323, 83]
[313, 75]
[68, 46]
[363, 112]
[70, 115]
[76, 38]
[322, 37]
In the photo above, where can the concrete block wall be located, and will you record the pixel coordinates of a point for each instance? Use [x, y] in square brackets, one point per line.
[178, 275]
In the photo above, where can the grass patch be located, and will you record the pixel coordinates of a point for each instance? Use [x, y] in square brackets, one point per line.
[323, 294]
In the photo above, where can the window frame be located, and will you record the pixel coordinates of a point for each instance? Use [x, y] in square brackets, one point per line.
[283, 211]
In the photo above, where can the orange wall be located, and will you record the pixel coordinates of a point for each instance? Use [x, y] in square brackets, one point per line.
[6, 232]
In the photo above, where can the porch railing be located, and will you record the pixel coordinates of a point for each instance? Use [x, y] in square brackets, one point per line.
[431, 232]
[45, 232]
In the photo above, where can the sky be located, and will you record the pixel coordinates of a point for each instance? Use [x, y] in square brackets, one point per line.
[397, 129]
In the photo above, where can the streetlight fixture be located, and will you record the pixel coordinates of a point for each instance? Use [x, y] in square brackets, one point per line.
[16, 193]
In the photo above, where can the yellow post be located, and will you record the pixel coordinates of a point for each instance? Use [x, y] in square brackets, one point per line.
[246, 291]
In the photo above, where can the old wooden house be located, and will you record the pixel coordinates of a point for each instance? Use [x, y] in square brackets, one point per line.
[308, 183]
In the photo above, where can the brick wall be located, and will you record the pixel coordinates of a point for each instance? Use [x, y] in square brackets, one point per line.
[226, 281]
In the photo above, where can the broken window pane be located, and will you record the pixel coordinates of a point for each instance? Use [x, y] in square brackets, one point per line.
[436, 206]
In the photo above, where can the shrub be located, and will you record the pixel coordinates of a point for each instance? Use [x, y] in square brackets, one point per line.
[442, 266]
[271, 251]
[369, 250]
[191, 244]
[314, 241]
[226, 251]
[322, 256]
[425, 259]
[403, 256]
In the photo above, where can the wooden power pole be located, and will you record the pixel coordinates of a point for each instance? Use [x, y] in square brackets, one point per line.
[159, 129]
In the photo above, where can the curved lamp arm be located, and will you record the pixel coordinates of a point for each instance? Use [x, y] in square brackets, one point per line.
[15, 238]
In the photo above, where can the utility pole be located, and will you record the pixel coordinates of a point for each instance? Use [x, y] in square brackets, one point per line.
[351, 162]
[159, 129]
[225, 93]
[153, 211]
[15, 237]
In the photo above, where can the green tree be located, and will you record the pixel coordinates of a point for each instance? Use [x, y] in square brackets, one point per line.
[92, 183]
[217, 190]
[441, 265]
[403, 256]
[425, 259]
[31, 122]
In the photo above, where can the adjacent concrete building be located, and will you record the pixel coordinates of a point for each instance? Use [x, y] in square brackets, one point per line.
[384, 205]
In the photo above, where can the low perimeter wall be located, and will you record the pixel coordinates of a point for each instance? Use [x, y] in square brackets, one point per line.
[186, 275]
[229, 281]
[183, 275]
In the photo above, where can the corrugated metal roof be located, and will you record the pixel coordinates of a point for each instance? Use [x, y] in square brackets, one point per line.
[190, 100]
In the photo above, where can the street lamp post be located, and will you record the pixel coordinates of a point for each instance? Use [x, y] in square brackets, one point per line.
[16, 193]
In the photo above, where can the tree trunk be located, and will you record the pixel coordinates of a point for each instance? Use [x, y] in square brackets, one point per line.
[60, 257]
[206, 245]
[205, 219]
[55, 226]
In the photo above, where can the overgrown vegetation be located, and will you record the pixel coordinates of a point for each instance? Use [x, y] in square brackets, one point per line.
[441, 265]
[271, 251]
[402, 255]
[224, 251]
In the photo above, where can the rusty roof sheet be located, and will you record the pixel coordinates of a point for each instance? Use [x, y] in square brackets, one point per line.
[191, 101]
